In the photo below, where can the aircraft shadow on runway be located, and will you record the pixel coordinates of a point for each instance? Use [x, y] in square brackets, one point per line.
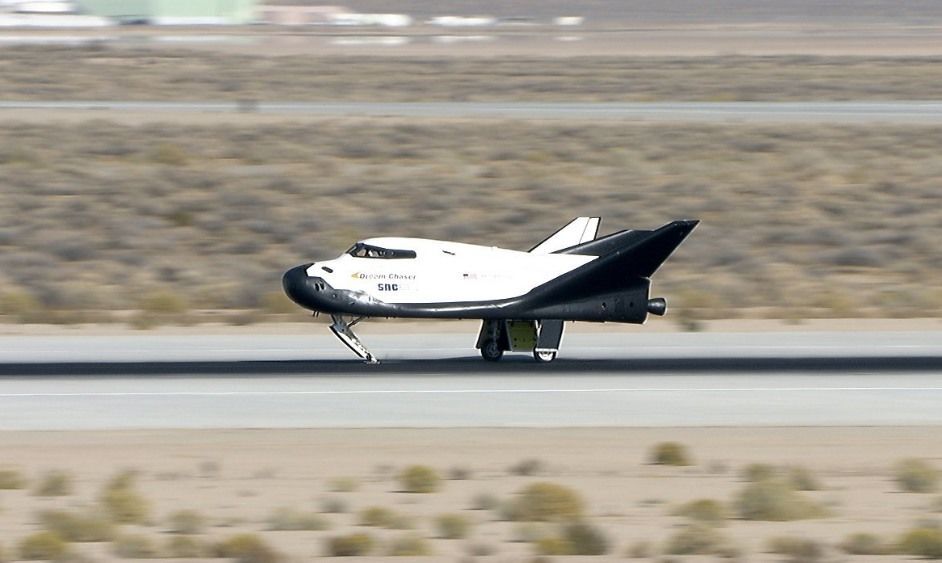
[477, 367]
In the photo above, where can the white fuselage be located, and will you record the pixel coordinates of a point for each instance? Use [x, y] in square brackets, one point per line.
[443, 271]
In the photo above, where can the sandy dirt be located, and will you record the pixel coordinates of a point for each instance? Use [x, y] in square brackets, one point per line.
[235, 478]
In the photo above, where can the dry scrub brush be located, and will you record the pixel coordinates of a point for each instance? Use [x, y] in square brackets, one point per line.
[286, 518]
[247, 548]
[545, 502]
[55, 483]
[382, 517]
[101, 72]
[775, 500]
[12, 479]
[46, 546]
[706, 511]
[419, 479]
[670, 453]
[798, 221]
[798, 549]
[122, 501]
[916, 476]
[78, 526]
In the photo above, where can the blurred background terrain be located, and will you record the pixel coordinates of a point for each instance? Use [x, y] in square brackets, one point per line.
[196, 216]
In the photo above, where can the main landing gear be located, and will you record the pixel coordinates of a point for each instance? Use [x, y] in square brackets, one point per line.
[544, 356]
[542, 338]
[491, 351]
[342, 330]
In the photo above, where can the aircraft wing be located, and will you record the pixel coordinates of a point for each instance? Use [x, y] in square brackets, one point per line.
[578, 231]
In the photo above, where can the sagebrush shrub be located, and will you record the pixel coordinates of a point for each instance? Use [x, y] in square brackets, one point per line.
[292, 519]
[708, 511]
[798, 550]
[378, 516]
[922, 542]
[759, 472]
[585, 539]
[546, 502]
[87, 526]
[11, 479]
[697, 538]
[419, 479]
[802, 479]
[409, 545]
[349, 545]
[528, 467]
[186, 522]
[42, 546]
[774, 500]
[916, 476]
[184, 547]
[134, 546]
[864, 544]
[670, 453]
[247, 548]
[55, 483]
[453, 526]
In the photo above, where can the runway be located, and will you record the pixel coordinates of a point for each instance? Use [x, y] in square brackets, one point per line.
[651, 379]
[847, 112]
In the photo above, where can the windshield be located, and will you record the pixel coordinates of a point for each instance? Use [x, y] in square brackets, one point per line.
[361, 250]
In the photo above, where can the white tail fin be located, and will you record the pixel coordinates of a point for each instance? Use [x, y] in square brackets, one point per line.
[577, 231]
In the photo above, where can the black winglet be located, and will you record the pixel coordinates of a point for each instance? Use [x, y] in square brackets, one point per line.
[623, 258]
[644, 257]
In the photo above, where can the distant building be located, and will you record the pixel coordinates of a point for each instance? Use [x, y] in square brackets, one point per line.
[463, 21]
[46, 14]
[173, 12]
[42, 7]
[568, 20]
[382, 20]
[300, 15]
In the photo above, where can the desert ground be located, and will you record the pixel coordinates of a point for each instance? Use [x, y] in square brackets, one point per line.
[236, 480]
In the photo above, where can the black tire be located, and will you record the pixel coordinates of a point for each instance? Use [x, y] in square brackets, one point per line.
[491, 351]
[544, 357]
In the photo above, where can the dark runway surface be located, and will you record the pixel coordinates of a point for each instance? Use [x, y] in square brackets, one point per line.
[475, 366]
[650, 379]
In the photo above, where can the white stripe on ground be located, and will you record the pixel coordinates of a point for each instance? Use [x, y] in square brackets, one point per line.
[467, 391]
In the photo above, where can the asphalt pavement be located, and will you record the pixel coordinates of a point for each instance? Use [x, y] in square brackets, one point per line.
[428, 380]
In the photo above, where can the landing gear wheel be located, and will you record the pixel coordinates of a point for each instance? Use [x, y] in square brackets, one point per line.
[544, 357]
[491, 351]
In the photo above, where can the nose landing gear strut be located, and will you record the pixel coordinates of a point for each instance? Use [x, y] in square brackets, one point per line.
[342, 330]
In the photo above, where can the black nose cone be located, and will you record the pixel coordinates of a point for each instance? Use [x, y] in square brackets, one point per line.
[295, 281]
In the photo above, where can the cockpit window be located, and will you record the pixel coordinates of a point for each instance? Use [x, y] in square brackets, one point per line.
[361, 250]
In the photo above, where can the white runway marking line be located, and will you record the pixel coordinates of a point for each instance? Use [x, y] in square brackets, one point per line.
[461, 391]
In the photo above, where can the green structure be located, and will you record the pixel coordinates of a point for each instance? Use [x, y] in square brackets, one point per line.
[172, 11]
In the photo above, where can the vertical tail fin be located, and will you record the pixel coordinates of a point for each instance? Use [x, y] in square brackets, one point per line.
[577, 231]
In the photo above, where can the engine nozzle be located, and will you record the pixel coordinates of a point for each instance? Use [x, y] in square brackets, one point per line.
[657, 306]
